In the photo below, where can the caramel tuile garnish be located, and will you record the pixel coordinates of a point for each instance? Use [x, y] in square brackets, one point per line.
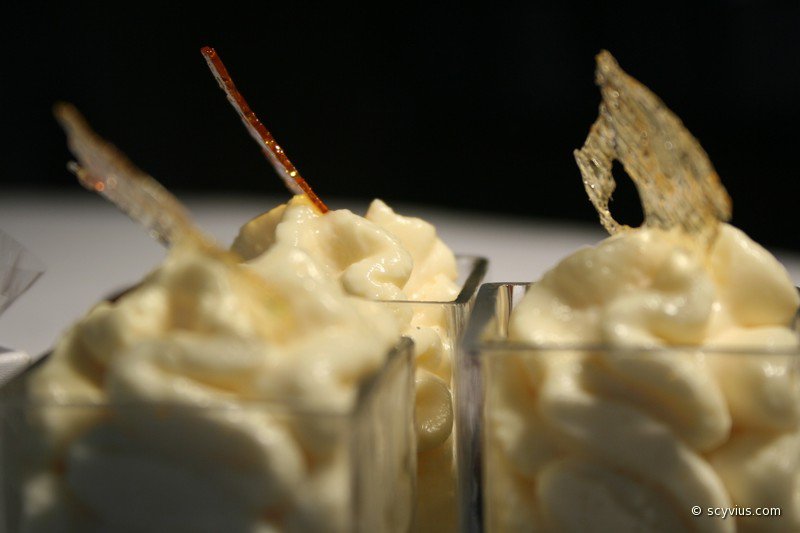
[259, 132]
[676, 182]
[104, 169]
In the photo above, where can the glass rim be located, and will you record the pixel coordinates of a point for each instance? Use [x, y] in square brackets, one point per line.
[476, 341]
[478, 268]
[367, 388]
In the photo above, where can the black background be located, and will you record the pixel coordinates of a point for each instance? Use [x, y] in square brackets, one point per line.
[472, 108]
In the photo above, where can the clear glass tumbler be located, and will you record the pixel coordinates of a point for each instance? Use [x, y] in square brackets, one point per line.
[436, 508]
[259, 466]
[601, 438]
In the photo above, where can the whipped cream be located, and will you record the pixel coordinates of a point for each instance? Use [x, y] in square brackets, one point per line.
[389, 257]
[212, 348]
[621, 439]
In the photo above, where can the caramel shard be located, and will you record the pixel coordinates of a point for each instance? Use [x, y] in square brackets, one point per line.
[104, 169]
[677, 184]
[274, 153]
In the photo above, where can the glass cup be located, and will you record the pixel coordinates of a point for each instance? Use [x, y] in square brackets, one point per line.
[436, 508]
[166, 467]
[582, 438]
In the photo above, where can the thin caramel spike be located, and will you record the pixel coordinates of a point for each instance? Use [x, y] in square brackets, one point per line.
[105, 170]
[677, 184]
[259, 132]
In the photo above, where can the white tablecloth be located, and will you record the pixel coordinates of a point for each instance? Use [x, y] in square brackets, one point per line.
[90, 249]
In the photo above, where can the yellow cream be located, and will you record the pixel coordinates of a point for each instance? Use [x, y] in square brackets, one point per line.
[386, 256]
[209, 337]
[626, 440]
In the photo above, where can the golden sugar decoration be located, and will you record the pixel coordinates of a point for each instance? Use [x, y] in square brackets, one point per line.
[103, 168]
[274, 153]
[677, 184]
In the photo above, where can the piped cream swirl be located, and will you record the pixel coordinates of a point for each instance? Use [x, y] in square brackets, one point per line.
[389, 257]
[212, 344]
[663, 419]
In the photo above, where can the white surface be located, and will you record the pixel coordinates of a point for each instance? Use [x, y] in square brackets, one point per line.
[90, 250]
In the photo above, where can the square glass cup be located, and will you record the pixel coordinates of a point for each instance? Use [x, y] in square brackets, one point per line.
[562, 438]
[153, 466]
[471, 271]
[436, 508]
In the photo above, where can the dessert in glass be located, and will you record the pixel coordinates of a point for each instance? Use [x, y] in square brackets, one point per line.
[381, 256]
[648, 383]
[210, 398]
[400, 262]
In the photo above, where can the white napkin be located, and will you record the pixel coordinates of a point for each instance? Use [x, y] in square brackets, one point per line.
[19, 269]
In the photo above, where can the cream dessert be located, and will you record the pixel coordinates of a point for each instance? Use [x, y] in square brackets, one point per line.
[208, 397]
[666, 390]
[389, 257]
[381, 256]
[208, 337]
